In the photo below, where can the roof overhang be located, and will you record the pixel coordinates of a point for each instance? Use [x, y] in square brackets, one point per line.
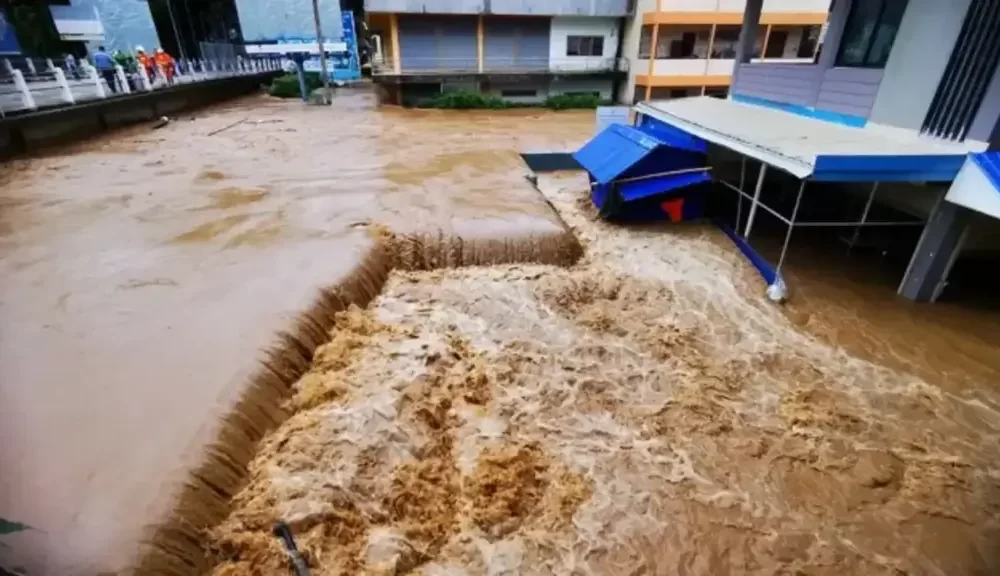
[813, 149]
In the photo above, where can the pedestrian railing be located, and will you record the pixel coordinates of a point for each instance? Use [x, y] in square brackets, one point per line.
[28, 84]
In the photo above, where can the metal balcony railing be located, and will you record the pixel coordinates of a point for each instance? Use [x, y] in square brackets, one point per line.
[28, 84]
[498, 65]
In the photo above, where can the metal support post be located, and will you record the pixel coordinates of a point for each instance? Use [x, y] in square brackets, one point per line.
[739, 197]
[864, 217]
[791, 227]
[756, 200]
[26, 98]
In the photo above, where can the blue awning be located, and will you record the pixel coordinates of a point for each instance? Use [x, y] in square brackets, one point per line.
[629, 165]
[624, 152]
[614, 151]
[989, 163]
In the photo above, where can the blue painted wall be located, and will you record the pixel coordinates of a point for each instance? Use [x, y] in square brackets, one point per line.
[516, 43]
[263, 20]
[437, 43]
[127, 24]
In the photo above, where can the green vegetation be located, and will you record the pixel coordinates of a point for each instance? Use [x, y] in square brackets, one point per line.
[466, 100]
[287, 86]
[469, 100]
[572, 101]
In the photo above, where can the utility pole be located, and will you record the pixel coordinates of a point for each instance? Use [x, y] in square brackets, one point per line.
[322, 53]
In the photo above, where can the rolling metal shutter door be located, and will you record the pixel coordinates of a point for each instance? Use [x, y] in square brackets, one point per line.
[512, 43]
[437, 43]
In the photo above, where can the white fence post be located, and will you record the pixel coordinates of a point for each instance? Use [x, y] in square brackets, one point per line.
[22, 87]
[91, 73]
[31, 66]
[122, 79]
[67, 94]
[144, 79]
[8, 66]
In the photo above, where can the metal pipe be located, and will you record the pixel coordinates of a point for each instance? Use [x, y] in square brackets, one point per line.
[756, 200]
[762, 205]
[864, 216]
[857, 224]
[791, 228]
[658, 174]
[739, 197]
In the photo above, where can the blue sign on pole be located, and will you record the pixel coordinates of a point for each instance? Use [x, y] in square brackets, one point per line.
[8, 38]
[342, 60]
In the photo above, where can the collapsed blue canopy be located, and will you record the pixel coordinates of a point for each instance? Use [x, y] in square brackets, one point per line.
[627, 164]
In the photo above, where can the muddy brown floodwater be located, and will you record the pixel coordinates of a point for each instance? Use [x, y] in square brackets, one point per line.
[641, 411]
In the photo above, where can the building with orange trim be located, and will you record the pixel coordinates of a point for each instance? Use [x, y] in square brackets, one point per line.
[680, 48]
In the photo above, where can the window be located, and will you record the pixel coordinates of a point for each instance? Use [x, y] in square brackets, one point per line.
[594, 94]
[645, 42]
[585, 45]
[808, 41]
[870, 31]
[519, 93]
[726, 39]
[776, 42]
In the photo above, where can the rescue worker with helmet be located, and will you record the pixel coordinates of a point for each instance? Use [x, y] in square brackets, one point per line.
[145, 61]
[165, 63]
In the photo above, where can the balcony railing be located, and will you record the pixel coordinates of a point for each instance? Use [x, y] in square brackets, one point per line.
[28, 84]
[498, 65]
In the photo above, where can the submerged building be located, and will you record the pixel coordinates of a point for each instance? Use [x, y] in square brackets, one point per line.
[884, 139]
[523, 50]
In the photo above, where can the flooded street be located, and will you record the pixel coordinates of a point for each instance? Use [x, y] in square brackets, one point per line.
[644, 410]
[145, 272]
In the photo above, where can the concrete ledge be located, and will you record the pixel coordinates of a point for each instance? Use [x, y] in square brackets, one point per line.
[550, 161]
[34, 131]
[511, 77]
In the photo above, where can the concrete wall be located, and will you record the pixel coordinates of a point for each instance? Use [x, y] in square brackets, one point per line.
[275, 19]
[126, 24]
[523, 7]
[540, 87]
[917, 61]
[565, 86]
[512, 43]
[565, 26]
[850, 91]
[429, 42]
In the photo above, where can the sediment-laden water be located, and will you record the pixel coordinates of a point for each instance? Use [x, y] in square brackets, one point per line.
[643, 410]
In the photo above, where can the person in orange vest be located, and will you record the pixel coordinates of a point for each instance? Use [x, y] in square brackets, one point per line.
[165, 63]
[145, 61]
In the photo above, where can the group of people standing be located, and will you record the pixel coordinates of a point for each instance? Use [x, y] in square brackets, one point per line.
[160, 64]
